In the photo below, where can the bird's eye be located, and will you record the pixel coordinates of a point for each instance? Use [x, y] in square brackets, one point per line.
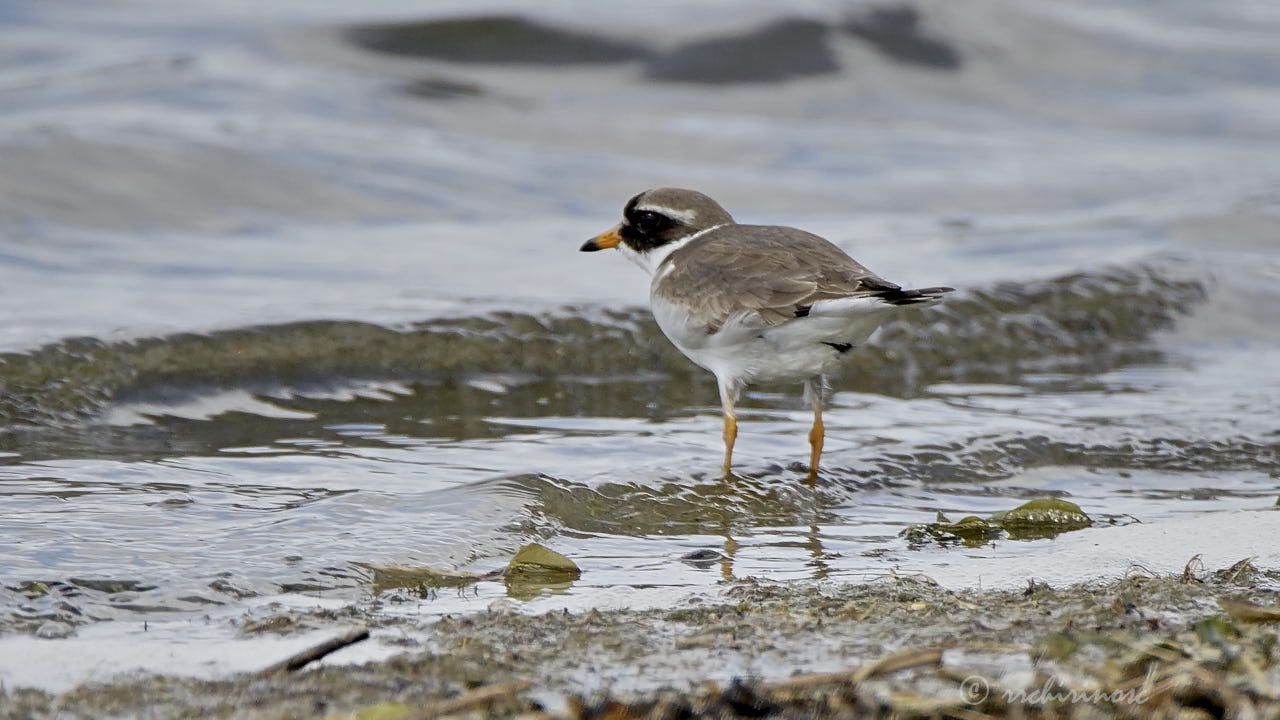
[646, 222]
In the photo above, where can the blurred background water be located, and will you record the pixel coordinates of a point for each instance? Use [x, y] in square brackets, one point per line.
[286, 289]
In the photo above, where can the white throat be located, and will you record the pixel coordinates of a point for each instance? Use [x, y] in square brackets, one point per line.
[652, 259]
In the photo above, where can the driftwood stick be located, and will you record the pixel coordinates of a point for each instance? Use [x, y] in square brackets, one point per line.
[471, 699]
[893, 662]
[901, 660]
[299, 660]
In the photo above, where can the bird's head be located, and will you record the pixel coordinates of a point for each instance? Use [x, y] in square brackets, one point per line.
[657, 221]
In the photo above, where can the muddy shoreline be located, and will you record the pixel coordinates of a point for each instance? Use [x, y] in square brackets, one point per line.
[900, 645]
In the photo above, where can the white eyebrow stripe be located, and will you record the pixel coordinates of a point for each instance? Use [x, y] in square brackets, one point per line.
[683, 216]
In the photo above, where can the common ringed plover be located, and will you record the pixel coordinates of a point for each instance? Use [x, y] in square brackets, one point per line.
[753, 303]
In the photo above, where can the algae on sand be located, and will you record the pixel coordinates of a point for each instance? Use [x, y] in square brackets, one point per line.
[534, 568]
[422, 580]
[1033, 520]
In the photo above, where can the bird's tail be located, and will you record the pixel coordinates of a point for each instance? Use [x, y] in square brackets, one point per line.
[919, 296]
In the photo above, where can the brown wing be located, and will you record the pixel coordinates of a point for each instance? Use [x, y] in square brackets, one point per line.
[774, 272]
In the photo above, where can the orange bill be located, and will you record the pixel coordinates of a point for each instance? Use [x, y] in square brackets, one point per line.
[605, 240]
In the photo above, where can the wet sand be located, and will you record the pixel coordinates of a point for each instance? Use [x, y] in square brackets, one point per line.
[900, 645]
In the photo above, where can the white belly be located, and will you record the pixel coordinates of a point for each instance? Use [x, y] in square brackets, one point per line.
[746, 350]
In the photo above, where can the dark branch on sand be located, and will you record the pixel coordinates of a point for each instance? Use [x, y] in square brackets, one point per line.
[299, 660]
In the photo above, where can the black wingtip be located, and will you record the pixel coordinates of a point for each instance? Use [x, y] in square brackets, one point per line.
[913, 297]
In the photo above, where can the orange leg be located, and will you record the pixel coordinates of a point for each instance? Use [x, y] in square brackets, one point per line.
[730, 435]
[729, 396]
[816, 435]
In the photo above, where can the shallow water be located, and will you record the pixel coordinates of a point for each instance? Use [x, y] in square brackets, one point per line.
[287, 297]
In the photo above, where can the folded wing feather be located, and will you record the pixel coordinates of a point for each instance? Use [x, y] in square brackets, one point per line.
[771, 273]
